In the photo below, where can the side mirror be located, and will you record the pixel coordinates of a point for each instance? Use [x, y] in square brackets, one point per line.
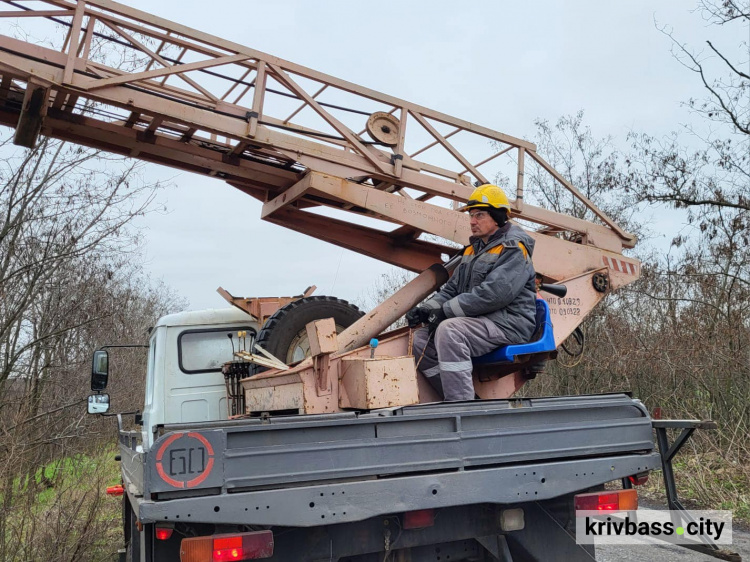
[98, 404]
[99, 371]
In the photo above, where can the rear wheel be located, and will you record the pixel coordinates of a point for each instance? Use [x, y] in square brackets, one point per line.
[132, 535]
[284, 334]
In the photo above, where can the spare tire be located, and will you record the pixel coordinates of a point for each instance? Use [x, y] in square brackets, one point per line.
[284, 334]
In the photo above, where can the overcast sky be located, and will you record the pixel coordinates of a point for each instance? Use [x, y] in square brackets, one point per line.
[498, 64]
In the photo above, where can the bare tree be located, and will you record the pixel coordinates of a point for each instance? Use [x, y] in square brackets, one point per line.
[593, 164]
[714, 175]
[69, 281]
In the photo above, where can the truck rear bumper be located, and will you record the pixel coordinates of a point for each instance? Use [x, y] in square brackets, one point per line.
[330, 503]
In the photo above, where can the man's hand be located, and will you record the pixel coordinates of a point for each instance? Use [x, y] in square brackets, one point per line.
[417, 315]
[436, 316]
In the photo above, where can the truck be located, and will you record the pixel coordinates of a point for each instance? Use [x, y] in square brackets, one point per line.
[298, 429]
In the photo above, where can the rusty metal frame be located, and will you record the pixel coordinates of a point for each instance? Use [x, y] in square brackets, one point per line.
[171, 96]
[175, 112]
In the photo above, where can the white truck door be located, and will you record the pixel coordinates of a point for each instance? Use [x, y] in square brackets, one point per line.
[195, 389]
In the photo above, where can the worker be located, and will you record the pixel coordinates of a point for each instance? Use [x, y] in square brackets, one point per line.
[489, 300]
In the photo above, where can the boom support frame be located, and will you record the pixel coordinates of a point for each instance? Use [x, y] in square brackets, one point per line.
[211, 106]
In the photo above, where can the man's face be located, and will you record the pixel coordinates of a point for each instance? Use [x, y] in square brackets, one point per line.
[482, 224]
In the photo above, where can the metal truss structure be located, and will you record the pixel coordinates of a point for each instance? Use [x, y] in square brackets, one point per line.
[292, 137]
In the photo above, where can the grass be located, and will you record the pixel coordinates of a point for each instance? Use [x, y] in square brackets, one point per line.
[73, 472]
[707, 481]
[61, 511]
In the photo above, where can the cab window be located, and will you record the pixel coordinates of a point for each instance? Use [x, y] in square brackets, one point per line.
[204, 351]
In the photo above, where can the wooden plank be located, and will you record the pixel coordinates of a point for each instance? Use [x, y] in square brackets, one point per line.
[279, 364]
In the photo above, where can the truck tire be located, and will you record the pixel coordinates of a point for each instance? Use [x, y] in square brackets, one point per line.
[133, 544]
[284, 335]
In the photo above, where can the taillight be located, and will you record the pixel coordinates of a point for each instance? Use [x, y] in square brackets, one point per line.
[221, 548]
[639, 479]
[115, 490]
[619, 500]
[163, 531]
[228, 548]
[419, 519]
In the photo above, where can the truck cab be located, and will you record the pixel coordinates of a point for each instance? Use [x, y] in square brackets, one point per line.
[184, 383]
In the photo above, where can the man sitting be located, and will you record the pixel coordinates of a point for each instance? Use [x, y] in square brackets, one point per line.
[489, 301]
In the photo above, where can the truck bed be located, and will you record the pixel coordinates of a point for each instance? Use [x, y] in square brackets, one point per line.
[310, 470]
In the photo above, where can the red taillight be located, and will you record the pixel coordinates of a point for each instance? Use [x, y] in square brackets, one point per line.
[163, 532]
[228, 548]
[115, 490]
[639, 479]
[221, 548]
[419, 519]
[620, 500]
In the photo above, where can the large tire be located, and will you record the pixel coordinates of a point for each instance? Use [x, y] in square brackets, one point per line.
[284, 335]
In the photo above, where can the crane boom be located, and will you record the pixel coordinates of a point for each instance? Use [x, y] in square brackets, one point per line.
[292, 137]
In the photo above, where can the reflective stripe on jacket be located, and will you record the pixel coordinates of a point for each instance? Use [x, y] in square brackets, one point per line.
[496, 280]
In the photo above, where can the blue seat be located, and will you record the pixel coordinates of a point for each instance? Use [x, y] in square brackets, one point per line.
[544, 341]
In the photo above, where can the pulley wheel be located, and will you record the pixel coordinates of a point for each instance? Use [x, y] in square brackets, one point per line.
[383, 128]
[600, 282]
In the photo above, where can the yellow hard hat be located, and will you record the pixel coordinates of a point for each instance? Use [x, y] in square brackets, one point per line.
[487, 196]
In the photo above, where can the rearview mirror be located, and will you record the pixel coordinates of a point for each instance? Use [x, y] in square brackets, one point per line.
[99, 370]
[98, 403]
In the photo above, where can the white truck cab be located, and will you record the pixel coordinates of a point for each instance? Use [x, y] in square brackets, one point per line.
[184, 382]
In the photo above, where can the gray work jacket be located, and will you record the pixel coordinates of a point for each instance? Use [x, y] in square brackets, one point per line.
[496, 280]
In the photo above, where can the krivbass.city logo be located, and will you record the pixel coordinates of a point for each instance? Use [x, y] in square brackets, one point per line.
[647, 526]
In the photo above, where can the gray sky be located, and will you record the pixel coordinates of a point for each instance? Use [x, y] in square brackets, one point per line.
[498, 64]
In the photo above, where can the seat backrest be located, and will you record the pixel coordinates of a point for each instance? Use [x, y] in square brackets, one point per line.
[541, 317]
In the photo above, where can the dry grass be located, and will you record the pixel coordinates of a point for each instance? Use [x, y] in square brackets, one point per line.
[62, 513]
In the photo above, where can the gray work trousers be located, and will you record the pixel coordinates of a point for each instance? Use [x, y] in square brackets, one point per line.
[446, 355]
